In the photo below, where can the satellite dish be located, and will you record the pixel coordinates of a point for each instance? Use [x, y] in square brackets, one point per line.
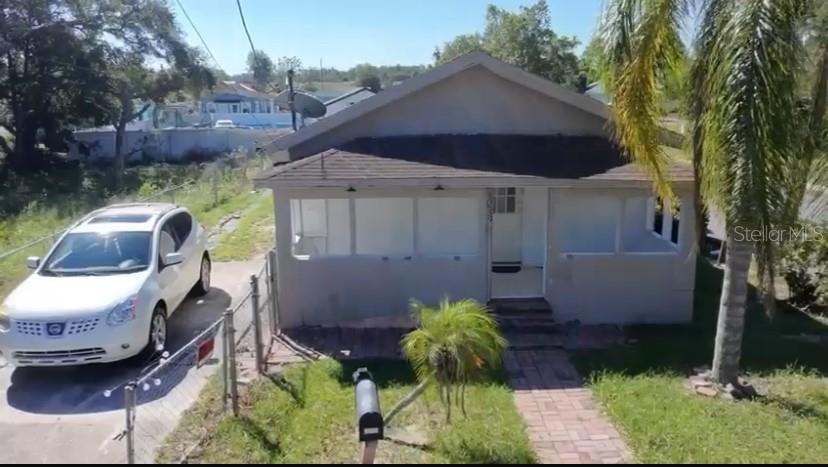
[304, 104]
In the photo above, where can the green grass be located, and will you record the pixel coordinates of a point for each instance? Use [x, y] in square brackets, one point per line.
[69, 192]
[643, 389]
[308, 417]
[253, 234]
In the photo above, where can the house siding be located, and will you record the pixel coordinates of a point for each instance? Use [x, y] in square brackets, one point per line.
[474, 101]
[619, 288]
[369, 290]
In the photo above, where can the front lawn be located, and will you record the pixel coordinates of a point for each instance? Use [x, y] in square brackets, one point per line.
[308, 417]
[643, 388]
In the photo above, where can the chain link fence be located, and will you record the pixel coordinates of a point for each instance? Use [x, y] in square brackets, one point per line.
[210, 369]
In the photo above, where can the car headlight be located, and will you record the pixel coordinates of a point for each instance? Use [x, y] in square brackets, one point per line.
[123, 312]
[5, 321]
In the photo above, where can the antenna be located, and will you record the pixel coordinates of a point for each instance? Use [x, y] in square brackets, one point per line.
[291, 96]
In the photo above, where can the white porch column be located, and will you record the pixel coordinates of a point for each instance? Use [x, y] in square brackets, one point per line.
[667, 222]
[650, 213]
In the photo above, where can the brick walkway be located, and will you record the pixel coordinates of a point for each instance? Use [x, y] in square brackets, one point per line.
[563, 422]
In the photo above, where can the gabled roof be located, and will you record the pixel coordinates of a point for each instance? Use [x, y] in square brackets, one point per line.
[468, 157]
[435, 75]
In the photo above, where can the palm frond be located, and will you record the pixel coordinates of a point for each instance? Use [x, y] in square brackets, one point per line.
[642, 43]
[749, 125]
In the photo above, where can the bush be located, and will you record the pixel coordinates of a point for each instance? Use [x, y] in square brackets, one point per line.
[805, 267]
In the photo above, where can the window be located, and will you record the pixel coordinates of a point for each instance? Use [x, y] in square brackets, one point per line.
[384, 226]
[89, 253]
[505, 200]
[320, 227]
[448, 226]
[587, 224]
[666, 221]
[234, 108]
[182, 223]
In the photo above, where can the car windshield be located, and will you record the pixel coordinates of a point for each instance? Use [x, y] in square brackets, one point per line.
[93, 253]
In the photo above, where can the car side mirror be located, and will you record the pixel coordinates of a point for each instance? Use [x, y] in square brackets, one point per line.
[33, 262]
[172, 259]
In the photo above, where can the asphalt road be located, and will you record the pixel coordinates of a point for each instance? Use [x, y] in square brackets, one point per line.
[63, 415]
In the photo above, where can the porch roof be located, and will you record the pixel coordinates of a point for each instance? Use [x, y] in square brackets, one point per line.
[470, 157]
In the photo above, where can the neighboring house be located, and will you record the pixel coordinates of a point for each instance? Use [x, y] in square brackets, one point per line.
[231, 97]
[475, 179]
[346, 100]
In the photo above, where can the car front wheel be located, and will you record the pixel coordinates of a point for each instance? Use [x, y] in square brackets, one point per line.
[157, 333]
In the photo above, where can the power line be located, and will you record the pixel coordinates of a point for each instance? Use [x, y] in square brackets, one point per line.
[244, 23]
[203, 42]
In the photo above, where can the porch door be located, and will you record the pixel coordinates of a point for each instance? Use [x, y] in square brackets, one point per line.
[506, 227]
[518, 246]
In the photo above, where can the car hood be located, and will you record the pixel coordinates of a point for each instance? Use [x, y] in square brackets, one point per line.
[50, 297]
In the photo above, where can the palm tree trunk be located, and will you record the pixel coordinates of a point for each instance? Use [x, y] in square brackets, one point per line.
[731, 324]
[406, 401]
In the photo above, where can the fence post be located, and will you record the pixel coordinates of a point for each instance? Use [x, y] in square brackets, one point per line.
[257, 323]
[129, 405]
[274, 299]
[226, 345]
[172, 196]
[231, 361]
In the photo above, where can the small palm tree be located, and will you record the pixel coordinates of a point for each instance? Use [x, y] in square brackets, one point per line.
[453, 345]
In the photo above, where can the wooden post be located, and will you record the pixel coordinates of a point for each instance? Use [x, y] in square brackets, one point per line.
[368, 452]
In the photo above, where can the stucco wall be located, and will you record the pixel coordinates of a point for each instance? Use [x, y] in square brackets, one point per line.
[369, 290]
[626, 287]
[474, 101]
[629, 287]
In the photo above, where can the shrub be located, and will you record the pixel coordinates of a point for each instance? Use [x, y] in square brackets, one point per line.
[805, 267]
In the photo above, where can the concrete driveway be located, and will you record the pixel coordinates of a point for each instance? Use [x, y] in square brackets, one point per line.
[62, 415]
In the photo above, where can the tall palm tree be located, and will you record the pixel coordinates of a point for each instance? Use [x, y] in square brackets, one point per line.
[453, 345]
[743, 111]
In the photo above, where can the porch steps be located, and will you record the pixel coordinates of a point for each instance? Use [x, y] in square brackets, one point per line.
[527, 324]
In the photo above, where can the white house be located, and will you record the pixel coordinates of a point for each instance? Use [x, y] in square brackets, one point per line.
[475, 179]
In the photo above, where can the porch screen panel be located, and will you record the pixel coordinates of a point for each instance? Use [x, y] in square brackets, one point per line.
[448, 226]
[587, 223]
[320, 227]
[384, 226]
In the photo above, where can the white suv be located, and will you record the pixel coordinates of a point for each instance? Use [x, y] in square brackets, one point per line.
[105, 290]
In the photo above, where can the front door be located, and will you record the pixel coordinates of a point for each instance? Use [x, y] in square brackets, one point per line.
[506, 227]
[518, 246]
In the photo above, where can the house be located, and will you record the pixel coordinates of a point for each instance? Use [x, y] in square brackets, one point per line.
[232, 97]
[346, 100]
[475, 179]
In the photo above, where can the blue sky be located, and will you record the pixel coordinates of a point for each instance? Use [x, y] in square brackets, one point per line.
[346, 32]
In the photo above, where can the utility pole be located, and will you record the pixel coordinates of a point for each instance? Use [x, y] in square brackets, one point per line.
[290, 99]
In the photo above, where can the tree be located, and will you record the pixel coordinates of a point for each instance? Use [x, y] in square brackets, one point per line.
[524, 39]
[593, 62]
[371, 82]
[147, 30]
[743, 107]
[453, 345]
[262, 68]
[49, 80]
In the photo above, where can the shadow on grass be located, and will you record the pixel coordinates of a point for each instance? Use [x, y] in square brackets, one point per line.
[385, 371]
[797, 408]
[296, 393]
[769, 344]
[259, 435]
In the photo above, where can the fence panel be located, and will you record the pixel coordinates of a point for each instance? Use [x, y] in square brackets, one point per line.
[169, 389]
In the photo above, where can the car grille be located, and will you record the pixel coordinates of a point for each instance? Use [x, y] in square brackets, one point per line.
[29, 328]
[75, 327]
[54, 357]
[82, 326]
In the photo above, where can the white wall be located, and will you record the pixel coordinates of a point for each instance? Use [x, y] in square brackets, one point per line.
[535, 205]
[171, 144]
[623, 286]
[372, 289]
[475, 101]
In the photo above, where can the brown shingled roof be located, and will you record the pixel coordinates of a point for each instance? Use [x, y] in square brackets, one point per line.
[470, 156]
